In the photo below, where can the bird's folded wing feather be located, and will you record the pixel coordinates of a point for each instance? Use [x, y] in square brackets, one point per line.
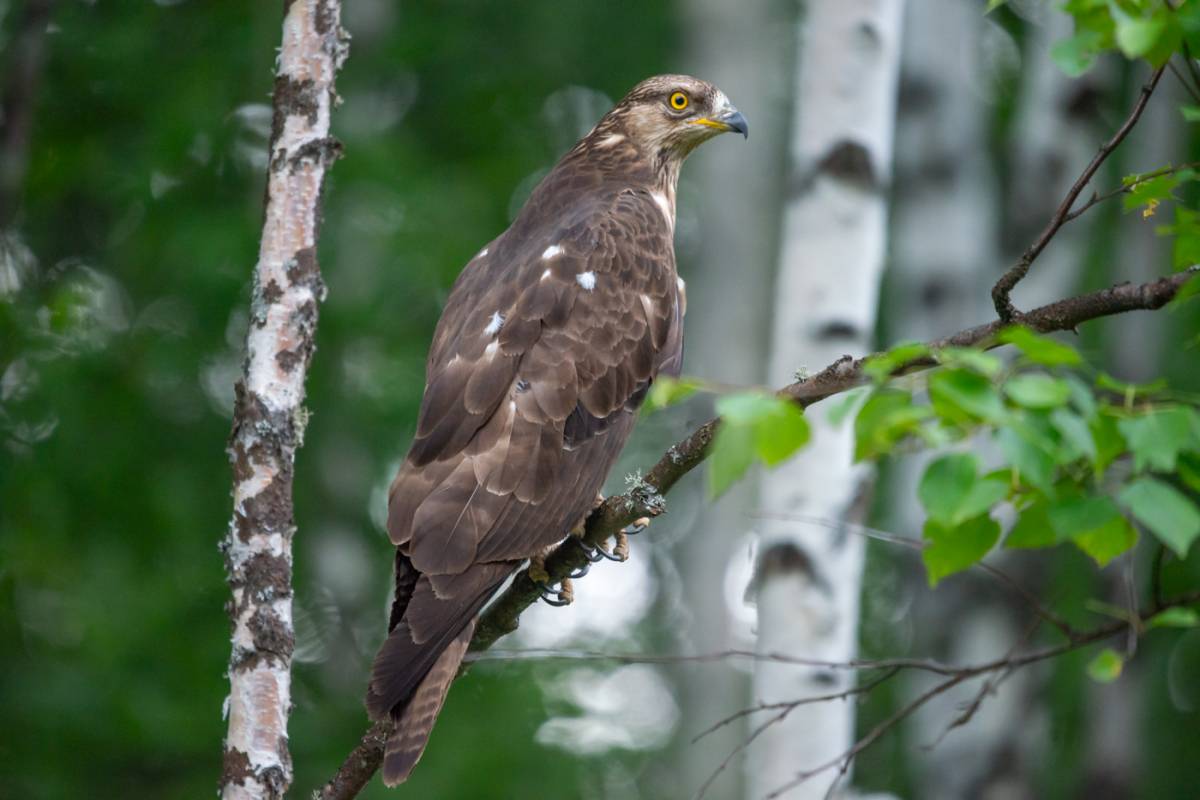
[548, 336]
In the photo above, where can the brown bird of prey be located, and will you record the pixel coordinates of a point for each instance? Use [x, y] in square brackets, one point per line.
[549, 341]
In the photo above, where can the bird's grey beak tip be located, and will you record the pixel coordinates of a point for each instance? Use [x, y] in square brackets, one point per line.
[737, 123]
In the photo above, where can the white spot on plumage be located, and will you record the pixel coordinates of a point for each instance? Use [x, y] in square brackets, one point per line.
[647, 306]
[587, 280]
[665, 206]
[493, 326]
[610, 140]
[679, 283]
[491, 349]
[551, 251]
[546, 274]
[481, 253]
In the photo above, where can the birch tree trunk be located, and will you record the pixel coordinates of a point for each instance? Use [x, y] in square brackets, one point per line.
[727, 234]
[269, 416]
[833, 246]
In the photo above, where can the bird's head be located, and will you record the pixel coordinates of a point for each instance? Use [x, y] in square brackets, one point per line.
[670, 115]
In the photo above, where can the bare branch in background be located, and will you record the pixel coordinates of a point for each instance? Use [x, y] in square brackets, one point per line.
[1008, 281]
[24, 72]
[269, 416]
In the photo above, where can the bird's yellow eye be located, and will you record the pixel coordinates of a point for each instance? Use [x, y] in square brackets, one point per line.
[679, 101]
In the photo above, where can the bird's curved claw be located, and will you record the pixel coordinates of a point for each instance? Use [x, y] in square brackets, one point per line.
[579, 572]
[640, 524]
[614, 556]
[564, 595]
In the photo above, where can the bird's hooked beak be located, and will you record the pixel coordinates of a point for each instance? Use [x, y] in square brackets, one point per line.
[727, 118]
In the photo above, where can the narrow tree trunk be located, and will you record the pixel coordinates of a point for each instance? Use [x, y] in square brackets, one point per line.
[269, 415]
[835, 227]
[726, 239]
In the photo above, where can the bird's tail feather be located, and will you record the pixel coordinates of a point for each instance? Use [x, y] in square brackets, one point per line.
[414, 722]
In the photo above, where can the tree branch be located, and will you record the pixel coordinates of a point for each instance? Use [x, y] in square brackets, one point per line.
[24, 71]
[1003, 288]
[1005, 665]
[269, 416]
[645, 499]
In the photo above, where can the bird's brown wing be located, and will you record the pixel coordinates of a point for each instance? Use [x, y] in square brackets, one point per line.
[547, 345]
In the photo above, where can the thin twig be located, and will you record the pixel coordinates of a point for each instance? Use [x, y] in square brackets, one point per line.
[1191, 90]
[1008, 665]
[1032, 600]
[988, 687]
[1126, 188]
[784, 709]
[1003, 288]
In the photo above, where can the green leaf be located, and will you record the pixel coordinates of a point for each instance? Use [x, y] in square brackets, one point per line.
[1076, 436]
[1106, 542]
[1075, 55]
[1039, 349]
[1190, 113]
[880, 367]
[953, 548]
[780, 433]
[1189, 290]
[1156, 438]
[946, 483]
[1188, 470]
[952, 493]
[993, 5]
[1166, 511]
[753, 424]
[970, 358]
[1032, 459]
[1033, 528]
[732, 454]
[1148, 193]
[1037, 391]
[1177, 617]
[1137, 37]
[962, 396]
[1082, 396]
[667, 391]
[1106, 666]
[1110, 444]
[1186, 231]
[841, 407]
[886, 418]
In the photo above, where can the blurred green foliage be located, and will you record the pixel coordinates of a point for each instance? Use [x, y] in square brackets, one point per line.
[136, 232]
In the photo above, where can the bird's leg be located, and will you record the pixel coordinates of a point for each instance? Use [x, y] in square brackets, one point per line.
[537, 566]
[565, 593]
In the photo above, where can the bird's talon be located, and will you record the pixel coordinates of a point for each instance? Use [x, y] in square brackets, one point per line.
[621, 548]
[579, 572]
[640, 524]
[551, 597]
[537, 570]
[613, 556]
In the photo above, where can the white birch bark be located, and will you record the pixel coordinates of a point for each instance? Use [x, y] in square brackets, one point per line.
[726, 241]
[832, 257]
[269, 415]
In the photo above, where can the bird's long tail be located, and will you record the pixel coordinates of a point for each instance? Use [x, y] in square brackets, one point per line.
[433, 620]
[414, 723]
